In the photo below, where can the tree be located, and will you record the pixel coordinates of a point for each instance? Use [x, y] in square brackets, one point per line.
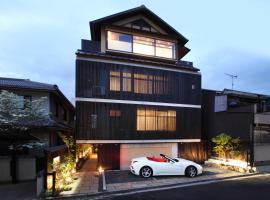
[225, 145]
[19, 114]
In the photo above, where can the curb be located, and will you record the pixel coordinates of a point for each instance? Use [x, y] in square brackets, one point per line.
[104, 194]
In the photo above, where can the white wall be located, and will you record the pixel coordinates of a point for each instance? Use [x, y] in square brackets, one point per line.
[130, 151]
[26, 168]
[262, 152]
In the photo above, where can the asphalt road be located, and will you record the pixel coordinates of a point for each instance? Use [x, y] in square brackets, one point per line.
[255, 188]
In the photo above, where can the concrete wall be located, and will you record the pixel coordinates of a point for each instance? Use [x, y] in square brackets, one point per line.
[5, 169]
[26, 168]
[262, 118]
[262, 152]
[130, 151]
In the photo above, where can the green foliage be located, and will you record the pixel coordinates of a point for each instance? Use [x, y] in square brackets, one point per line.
[225, 145]
[65, 169]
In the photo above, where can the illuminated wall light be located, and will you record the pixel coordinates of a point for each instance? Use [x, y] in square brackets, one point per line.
[49, 182]
[56, 159]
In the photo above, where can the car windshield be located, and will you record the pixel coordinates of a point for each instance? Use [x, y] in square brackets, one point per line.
[168, 158]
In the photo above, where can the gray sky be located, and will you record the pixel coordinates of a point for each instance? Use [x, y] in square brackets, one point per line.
[38, 39]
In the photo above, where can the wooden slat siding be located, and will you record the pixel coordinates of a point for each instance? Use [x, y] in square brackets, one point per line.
[188, 123]
[234, 122]
[89, 74]
[197, 152]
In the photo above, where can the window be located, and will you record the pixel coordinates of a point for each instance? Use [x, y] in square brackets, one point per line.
[140, 45]
[143, 45]
[165, 49]
[115, 80]
[156, 120]
[115, 113]
[161, 85]
[143, 84]
[24, 101]
[119, 41]
[126, 81]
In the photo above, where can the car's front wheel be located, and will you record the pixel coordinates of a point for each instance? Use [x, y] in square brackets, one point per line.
[146, 172]
[191, 171]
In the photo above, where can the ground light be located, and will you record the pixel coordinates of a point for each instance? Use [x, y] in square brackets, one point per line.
[100, 170]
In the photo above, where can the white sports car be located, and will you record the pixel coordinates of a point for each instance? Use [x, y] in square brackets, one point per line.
[164, 165]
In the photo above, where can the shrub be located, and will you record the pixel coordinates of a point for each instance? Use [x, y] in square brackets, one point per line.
[226, 146]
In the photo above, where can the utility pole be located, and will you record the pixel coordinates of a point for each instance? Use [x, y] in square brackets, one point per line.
[232, 77]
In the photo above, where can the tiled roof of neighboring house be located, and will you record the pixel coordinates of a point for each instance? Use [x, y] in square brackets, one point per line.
[27, 84]
[244, 94]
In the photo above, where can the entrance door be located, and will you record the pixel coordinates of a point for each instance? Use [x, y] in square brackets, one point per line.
[109, 156]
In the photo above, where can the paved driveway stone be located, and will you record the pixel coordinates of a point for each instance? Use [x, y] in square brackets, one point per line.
[125, 180]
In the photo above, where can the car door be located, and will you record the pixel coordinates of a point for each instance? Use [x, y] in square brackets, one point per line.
[170, 168]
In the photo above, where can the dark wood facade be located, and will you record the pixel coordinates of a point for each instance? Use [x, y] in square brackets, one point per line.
[124, 127]
[93, 80]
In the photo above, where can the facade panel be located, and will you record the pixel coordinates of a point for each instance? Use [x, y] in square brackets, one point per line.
[126, 82]
[105, 121]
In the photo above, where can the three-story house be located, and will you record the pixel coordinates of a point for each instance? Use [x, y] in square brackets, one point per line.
[134, 94]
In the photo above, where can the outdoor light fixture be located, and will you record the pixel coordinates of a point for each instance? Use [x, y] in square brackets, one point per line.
[100, 170]
[49, 182]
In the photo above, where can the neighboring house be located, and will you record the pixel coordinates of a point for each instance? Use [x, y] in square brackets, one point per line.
[134, 94]
[61, 120]
[239, 114]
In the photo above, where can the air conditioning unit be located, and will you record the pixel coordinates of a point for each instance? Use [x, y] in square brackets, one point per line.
[98, 90]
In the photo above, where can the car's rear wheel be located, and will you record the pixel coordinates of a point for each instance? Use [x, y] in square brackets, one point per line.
[146, 172]
[191, 171]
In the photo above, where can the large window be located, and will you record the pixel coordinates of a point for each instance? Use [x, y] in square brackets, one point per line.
[165, 49]
[119, 41]
[143, 83]
[143, 45]
[140, 45]
[156, 120]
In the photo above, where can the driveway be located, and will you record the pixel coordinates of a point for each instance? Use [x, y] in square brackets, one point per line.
[125, 180]
[22, 191]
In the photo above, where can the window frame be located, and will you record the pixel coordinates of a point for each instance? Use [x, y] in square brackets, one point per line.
[157, 116]
[174, 50]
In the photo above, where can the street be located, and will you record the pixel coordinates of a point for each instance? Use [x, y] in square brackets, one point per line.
[249, 188]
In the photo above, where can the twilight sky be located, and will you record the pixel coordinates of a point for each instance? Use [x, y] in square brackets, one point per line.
[38, 39]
